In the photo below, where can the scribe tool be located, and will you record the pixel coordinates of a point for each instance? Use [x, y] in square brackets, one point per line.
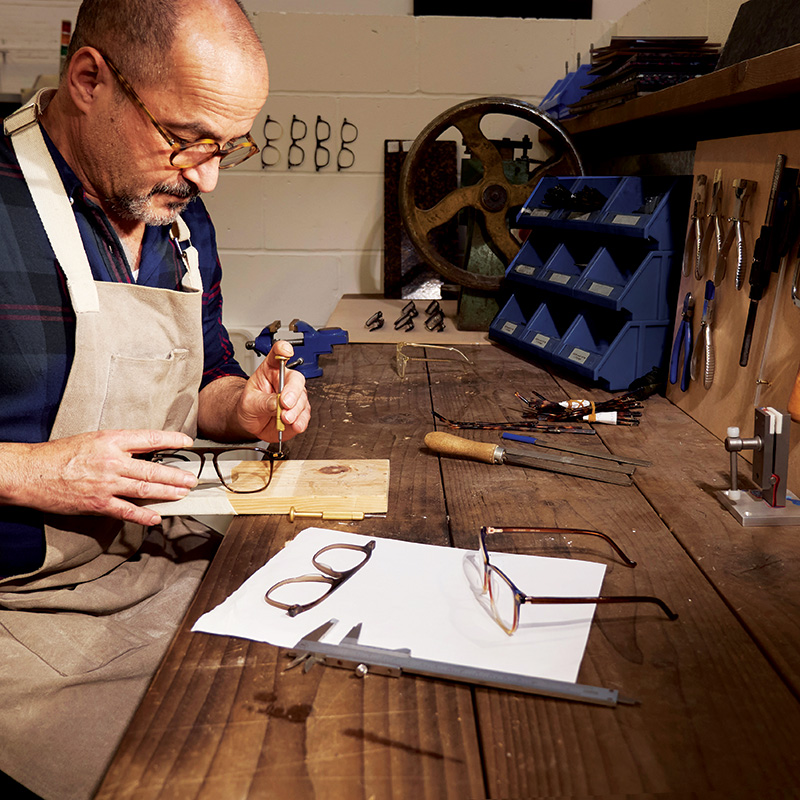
[364, 659]
[579, 466]
[279, 424]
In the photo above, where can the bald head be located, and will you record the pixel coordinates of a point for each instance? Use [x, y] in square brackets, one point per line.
[141, 36]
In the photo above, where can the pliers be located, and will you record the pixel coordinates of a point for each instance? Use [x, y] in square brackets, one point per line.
[742, 190]
[691, 251]
[703, 353]
[714, 227]
[683, 342]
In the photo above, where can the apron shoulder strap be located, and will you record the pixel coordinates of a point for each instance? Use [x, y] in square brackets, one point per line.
[179, 232]
[52, 203]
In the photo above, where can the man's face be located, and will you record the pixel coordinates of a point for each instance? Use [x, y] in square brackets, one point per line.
[215, 100]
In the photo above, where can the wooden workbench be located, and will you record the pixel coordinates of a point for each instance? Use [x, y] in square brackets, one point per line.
[718, 688]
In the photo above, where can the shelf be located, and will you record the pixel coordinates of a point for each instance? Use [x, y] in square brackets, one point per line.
[754, 96]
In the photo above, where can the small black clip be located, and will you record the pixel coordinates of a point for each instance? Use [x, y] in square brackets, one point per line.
[375, 321]
[433, 308]
[409, 310]
[435, 321]
[404, 323]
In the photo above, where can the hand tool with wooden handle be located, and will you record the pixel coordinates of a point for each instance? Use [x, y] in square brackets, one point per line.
[447, 444]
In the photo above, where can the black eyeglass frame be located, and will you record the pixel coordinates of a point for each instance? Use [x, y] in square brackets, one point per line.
[520, 598]
[294, 141]
[334, 578]
[343, 148]
[320, 161]
[267, 456]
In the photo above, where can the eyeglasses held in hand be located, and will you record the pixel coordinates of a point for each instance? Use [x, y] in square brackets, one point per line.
[402, 358]
[506, 599]
[342, 561]
[242, 470]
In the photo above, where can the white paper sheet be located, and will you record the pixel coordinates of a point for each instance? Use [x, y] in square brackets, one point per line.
[420, 596]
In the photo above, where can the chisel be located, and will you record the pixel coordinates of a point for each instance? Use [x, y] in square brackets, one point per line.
[447, 444]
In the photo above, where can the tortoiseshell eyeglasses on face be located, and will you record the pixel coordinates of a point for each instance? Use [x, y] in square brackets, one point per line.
[506, 599]
[186, 155]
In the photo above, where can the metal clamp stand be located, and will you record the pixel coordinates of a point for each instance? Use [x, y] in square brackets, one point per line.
[771, 503]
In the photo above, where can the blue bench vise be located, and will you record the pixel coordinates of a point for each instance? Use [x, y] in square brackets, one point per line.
[308, 342]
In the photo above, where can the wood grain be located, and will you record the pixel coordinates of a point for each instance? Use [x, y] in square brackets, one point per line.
[718, 715]
[708, 694]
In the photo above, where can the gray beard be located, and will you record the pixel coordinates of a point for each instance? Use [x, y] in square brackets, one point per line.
[138, 207]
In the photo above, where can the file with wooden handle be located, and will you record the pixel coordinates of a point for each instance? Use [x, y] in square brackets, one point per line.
[447, 444]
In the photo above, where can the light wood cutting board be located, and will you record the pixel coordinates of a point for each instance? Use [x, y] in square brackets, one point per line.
[357, 485]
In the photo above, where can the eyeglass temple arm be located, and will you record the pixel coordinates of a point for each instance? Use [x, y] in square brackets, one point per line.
[615, 599]
[570, 532]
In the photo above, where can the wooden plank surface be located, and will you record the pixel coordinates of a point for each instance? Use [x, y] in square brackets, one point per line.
[718, 715]
[222, 720]
[710, 699]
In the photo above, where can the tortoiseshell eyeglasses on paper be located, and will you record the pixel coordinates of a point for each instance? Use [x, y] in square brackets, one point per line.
[506, 598]
[341, 562]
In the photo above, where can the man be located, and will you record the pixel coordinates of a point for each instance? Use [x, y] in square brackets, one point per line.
[111, 345]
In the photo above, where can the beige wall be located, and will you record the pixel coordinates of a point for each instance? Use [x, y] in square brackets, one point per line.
[293, 241]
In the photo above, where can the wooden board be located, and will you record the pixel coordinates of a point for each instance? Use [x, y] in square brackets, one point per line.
[340, 485]
[732, 397]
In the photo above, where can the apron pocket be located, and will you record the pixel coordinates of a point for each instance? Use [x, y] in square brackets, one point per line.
[136, 391]
[71, 644]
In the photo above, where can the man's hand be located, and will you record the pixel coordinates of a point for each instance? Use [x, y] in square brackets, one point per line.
[94, 473]
[257, 408]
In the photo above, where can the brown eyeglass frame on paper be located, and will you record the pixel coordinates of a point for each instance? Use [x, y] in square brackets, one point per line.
[231, 154]
[520, 598]
[333, 577]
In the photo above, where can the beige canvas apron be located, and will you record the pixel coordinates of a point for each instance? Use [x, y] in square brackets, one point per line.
[81, 637]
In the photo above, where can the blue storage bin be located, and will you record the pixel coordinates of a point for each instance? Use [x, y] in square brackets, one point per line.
[601, 304]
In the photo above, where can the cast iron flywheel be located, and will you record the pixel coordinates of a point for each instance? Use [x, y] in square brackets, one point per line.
[494, 195]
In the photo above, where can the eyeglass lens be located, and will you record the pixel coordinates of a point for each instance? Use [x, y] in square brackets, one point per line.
[296, 153]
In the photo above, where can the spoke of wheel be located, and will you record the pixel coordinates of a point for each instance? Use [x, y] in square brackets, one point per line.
[446, 208]
[480, 147]
[497, 230]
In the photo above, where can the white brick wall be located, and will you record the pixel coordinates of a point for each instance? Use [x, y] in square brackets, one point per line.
[293, 241]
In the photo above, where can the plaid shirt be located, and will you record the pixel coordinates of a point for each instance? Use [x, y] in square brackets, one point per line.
[37, 324]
